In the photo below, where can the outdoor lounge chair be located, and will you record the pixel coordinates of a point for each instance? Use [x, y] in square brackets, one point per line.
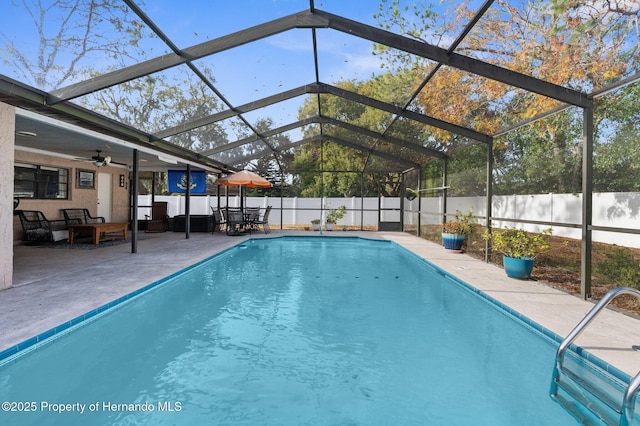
[264, 221]
[80, 216]
[159, 220]
[36, 227]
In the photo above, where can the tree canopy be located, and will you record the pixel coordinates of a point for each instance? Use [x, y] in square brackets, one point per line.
[584, 45]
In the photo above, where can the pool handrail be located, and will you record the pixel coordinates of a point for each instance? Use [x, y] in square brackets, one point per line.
[628, 402]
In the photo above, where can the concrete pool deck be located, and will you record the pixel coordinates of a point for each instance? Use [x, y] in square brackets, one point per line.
[53, 286]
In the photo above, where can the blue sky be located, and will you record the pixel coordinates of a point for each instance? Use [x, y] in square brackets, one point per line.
[242, 74]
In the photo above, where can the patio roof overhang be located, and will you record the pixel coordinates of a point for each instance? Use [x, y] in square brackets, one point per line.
[70, 130]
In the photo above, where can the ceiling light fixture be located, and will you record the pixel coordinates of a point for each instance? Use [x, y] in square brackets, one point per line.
[167, 160]
[104, 162]
[100, 161]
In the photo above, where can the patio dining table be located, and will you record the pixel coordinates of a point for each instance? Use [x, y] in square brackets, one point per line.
[240, 221]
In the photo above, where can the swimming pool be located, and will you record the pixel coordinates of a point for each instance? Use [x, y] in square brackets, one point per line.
[293, 331]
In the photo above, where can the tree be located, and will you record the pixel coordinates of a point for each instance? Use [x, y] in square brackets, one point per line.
[74, 32]
[338, 170]
[70, 34]
[616, 166]
[157, 102]
[580, 44]
[262, 147]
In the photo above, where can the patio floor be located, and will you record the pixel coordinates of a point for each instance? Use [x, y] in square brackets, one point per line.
[52, 286]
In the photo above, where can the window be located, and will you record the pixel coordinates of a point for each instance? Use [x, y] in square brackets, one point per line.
[40, 182]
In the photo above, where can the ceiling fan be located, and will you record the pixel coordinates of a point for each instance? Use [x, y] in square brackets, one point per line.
[98, 160]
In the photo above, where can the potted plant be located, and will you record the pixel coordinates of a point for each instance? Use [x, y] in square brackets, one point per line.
[455, 231]
[519, 249]
[315, 224]
[334, 216]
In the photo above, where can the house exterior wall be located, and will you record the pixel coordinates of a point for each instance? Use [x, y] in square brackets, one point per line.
[78, 197]
[7, 140]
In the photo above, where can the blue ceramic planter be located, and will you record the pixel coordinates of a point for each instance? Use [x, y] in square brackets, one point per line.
[452, 241]
[518, 267]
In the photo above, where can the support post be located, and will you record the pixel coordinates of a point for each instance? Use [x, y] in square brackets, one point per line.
[403, 186]
[420, 203]
[489, 198]
[187, 205]
[134, 203]
[362, 201]
[587, 201]
[445, 185]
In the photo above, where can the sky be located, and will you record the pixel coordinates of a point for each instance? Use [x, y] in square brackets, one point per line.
[190, 22]
[253, 71]
[242, 74]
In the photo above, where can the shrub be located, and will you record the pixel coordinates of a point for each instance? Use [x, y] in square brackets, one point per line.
[335, 215]
[518, 242]
[461, 225]
[621, 267]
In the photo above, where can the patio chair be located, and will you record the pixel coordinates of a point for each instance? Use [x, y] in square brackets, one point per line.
[36, 227]
[159, 219]
[251, 216]
[264, 221]
[80, 216]
[235, 221]
[217, 217]
[224, 213]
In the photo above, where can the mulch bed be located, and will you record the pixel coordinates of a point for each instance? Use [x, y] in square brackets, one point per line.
[559, 267]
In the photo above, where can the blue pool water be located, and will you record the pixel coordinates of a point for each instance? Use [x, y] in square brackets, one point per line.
[293, 331]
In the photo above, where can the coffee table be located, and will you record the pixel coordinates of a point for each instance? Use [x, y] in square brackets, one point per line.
[97, 229]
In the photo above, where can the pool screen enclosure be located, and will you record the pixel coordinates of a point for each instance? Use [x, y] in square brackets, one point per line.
[245, 97]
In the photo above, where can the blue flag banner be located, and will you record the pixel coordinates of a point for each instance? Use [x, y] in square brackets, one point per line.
[178, 181]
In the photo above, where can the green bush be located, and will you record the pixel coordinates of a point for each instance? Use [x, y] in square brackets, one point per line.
[517, 242]
[461, 225]
[621, 267]
[335, 215]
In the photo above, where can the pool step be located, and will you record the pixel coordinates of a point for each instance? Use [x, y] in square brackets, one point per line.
[584, 390]
[588, 403]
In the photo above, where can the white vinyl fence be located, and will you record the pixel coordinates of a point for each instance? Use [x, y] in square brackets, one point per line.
[616, 210]
[610, 209]
[287, 211]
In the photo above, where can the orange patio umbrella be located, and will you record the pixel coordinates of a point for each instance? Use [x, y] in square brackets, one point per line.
[244, 178]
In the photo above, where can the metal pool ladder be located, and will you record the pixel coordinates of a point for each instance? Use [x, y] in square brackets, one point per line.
[564, 379]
